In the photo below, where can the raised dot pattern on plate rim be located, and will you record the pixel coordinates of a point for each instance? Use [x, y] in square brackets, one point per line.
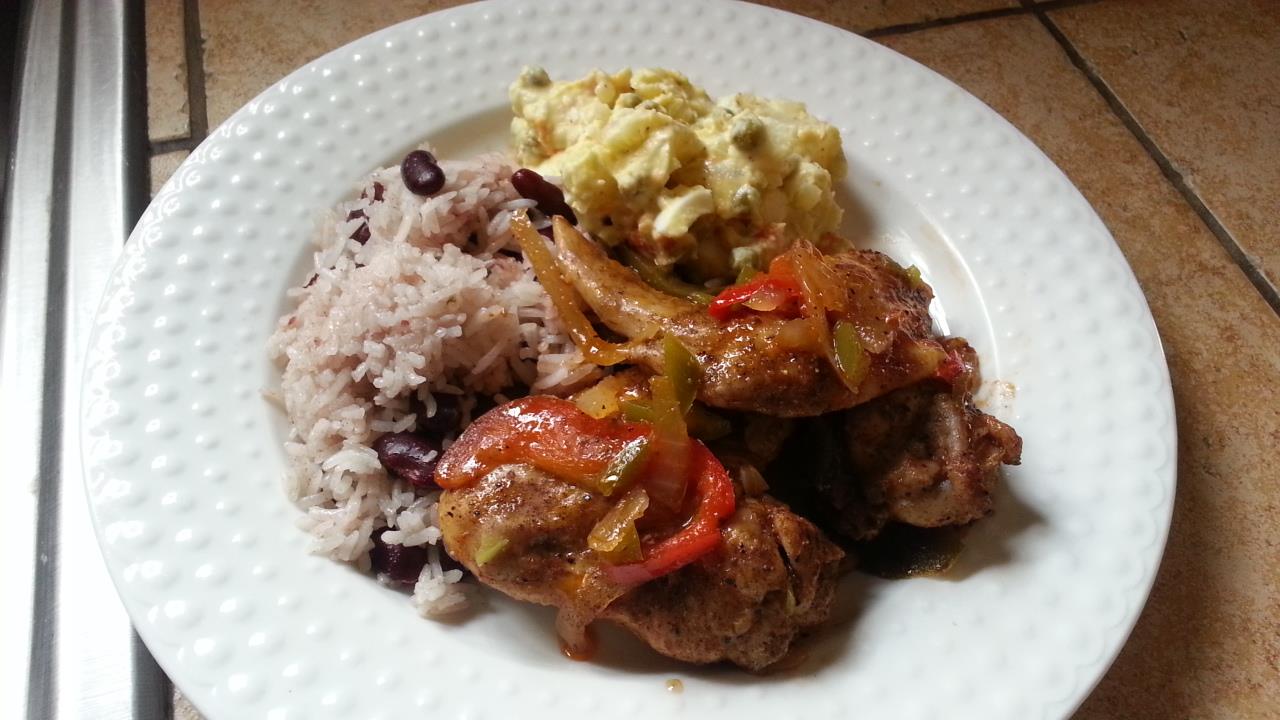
[175, 598]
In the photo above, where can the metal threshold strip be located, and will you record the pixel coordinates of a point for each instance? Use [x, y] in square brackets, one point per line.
[74, 183]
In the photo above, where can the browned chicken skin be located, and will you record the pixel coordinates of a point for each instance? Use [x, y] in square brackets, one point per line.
[929, 453]
[922, 455]
[745, 366]
[544, 521]
[773, 579]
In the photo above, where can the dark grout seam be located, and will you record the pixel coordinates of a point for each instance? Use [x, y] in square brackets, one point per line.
[1048, 5]
[1265, 288]
[189, 143]
[943, 22]
[197, 106]
[992, 14]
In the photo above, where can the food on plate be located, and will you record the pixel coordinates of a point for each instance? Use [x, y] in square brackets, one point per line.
[537, 506]
[592, 378]
[922, 456]
[650, 161]
[767, 345]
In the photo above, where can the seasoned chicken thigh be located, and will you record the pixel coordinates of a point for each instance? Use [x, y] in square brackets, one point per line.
[751, 362]
[923, 456]
[542, 524]
[773, 578]
[930, 455]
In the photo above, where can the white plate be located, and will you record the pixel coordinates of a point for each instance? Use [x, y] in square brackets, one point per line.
[184, 459]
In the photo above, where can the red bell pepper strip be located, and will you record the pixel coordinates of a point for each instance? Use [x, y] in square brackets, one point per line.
[550, 433]
[714, 503]
[731, 301]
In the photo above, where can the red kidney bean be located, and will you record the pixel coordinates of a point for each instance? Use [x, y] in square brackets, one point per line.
[448, 414]
[447, 562]
[402, 564]
[410, 457]
[421, 174]
[550, 198]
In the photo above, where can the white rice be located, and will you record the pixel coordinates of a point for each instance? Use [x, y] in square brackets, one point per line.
[427, 305]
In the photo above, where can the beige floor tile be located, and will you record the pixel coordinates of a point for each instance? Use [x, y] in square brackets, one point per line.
[162, 166]
[863, 15]
[245, 51]
[183, 709]
[167, 110]
[1203, 78]
[1207, 644]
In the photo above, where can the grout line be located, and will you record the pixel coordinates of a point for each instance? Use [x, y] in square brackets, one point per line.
[943, 22]
[188, 143]
[992, 14]
[197, 107]
[1048, 5]
[1264, 286]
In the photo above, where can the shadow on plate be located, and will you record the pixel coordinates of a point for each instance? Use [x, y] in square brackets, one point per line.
[992, 540]
[620, 652]
[858, 224]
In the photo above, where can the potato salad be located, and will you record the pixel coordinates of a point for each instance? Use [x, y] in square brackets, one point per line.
[652, 163]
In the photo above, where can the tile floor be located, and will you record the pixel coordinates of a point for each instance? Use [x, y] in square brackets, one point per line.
[1163, 112]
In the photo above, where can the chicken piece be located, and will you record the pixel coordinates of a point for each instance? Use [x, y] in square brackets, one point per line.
[922, 455]
[815, 474]
[746, 364]
[773, 579]
[930, 455]
[544, 523]
[928, 452]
